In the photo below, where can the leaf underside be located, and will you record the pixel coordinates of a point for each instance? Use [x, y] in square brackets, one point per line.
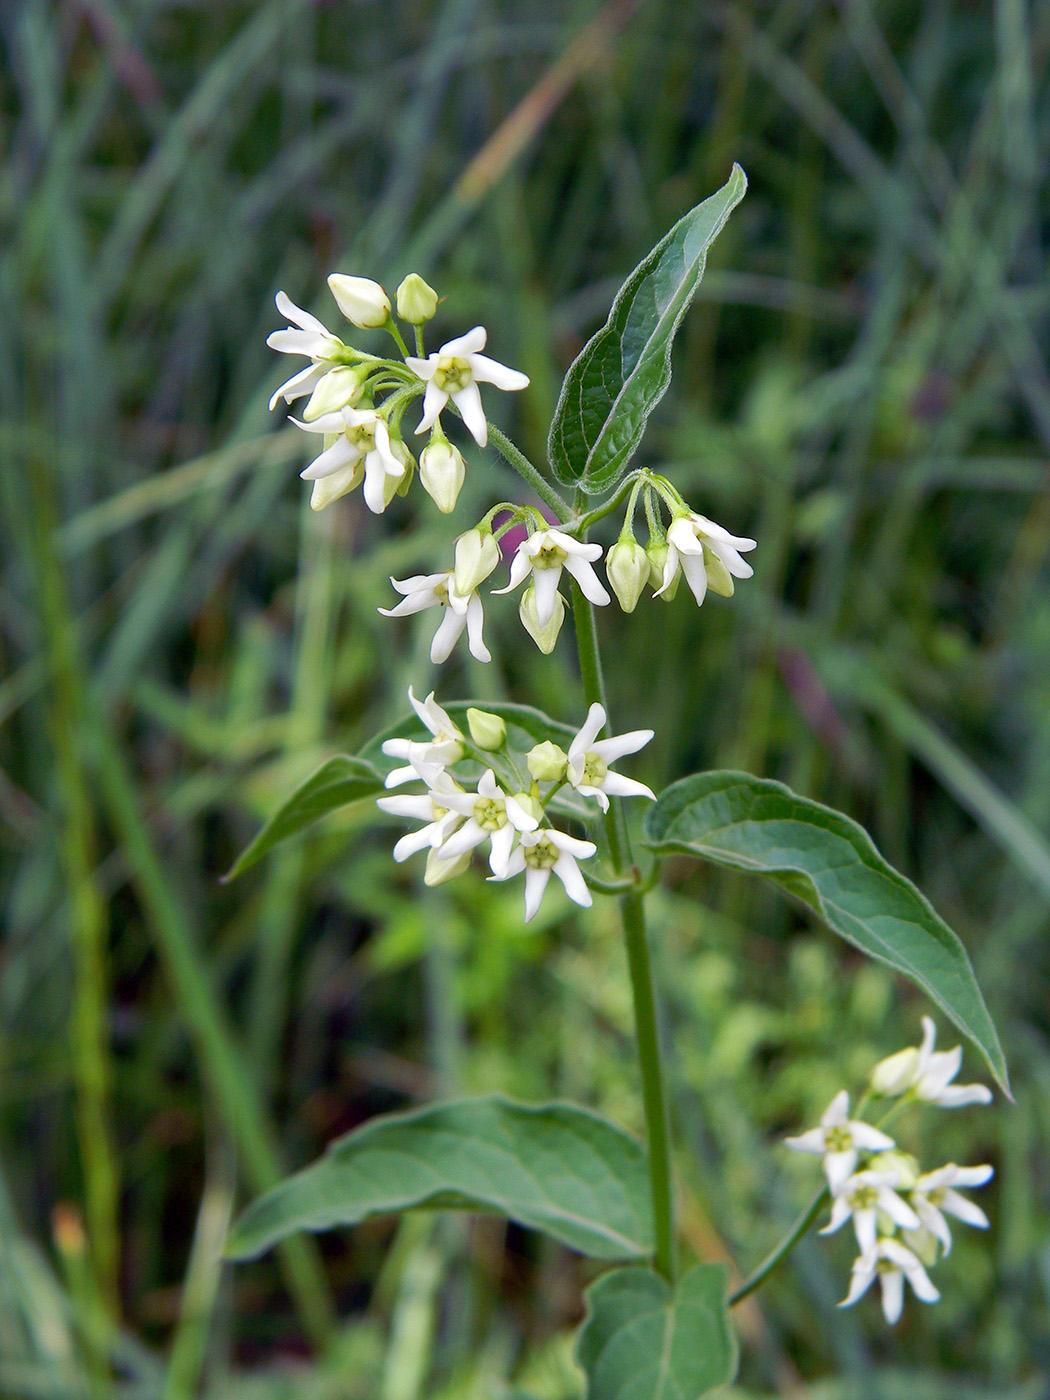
[623, 371]
[552, 1167]
[831, 864]
[646, 1340]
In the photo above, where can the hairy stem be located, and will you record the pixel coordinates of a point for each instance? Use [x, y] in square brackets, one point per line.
[632, 912]
[531, 474]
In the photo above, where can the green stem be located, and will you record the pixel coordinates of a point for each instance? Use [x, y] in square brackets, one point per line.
[531, 474]
[783, 1249]
[632, 912]
[391, 326]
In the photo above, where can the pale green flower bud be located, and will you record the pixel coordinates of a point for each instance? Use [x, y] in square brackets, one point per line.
[719, 579]
[398, 486]
[362, 301]
[329, 488]
[627, 568]
[477, 554]
[532, 805]
[545, 637]
[488, 731]
[442, 471]
[903, 1163]
[339, 388]
[923, 1245]
[896, 1074]
[657, 556]
[438, 870]
[546, 762]
[416, 300]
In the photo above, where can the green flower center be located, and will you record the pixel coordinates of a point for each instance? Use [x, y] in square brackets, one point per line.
[490, 813]
[936, 1198]
[864, 1198]
[594, 769]
[363, 437]
[542, 855]
[452, 374]
[550, 556]
[838, 1140]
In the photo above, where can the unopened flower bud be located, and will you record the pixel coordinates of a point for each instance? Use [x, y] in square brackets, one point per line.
[442, 471]
[398, 485]
[477, 554]
[657, 556]
[488, 731]
[329, 488]
[719, 579]
[627, 567]
[923, 1245]
[903, 1163]
[416, 300]
[545, 636]
[438, 870]
[546, 762]
[896, 1074]
[531, 804]
[362, 301]
[339, 388]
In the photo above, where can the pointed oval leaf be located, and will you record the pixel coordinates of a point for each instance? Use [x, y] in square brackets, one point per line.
[646, 1340]
[552, 1167]
[335, 784]
[832, 865]
[623, 371]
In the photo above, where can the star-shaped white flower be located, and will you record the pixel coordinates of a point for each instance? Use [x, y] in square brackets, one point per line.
[934, 1195]
[707, 555]
[439, 591]
[445, 748]
[839, 1140]
[589, 757]
[927, 1074]
[892, 1263]
[540, 852]
[440, 820]
[862, 1196]
[312, 339]
[363, 441]
[490, 815]
[544, 555]
[454, 372]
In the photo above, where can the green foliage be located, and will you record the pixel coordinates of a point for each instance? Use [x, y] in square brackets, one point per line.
[830, 864]
[553, 1167]
[644, 1339]
[623, 372]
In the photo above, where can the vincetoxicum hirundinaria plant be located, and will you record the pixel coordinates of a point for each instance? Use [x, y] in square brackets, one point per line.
[540, 796]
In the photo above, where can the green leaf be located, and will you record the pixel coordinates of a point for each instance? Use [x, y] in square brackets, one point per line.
[552, 1167]
[646, 1340]
[832, 865]
[335, 784]
[623, 372]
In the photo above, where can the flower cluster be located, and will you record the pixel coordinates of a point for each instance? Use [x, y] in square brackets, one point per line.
[355, 404]
[508, 811]
[898, 1212]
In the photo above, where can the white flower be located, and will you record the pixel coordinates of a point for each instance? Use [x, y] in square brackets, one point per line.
[933, 1195]
[927, 1074]
[441, 821]
[438, 590]
[490, 815]
[707, 555]
[313, 340]
[544, 555]
[839, 1140]
[454, 372]
[540, 852]
[446, 747]
[363, 439]
[587, 768]
[863, 1196]
[893, 1263]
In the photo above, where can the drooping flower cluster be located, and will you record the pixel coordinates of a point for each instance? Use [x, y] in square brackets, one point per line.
[506, 810]
[898, 1212]
[355, 404]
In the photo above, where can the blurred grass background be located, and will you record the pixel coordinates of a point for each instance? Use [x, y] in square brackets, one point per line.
[862, 386]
